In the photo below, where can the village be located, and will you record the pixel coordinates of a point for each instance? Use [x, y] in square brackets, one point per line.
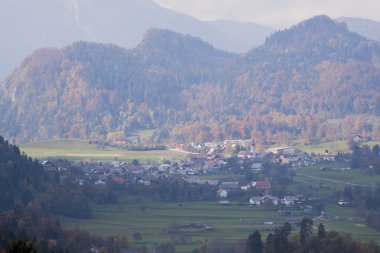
[204, 165]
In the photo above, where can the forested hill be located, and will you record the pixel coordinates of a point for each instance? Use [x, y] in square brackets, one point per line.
[20, 176]
[24, 184]
[314, 80]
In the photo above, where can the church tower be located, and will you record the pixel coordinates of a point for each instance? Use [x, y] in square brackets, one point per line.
[253, 147]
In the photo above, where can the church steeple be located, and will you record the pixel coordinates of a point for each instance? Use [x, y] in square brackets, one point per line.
[253, 147]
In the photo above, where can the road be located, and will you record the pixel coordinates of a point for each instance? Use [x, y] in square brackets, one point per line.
[335, 181]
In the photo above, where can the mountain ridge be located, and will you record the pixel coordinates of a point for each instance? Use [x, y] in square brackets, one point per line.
[32, 25]
[185, 89]
[365, 27]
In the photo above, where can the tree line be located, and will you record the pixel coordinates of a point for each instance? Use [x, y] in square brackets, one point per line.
[308, 239]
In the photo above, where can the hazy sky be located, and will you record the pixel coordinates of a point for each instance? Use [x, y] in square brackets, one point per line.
[274, 13]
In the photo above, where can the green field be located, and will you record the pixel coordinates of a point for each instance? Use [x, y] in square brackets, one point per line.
[332, 146]
[356, 176]
[323, 189]
[230, 222]
[357, 229]
[323, 184]
[320, 148]
[75, 149]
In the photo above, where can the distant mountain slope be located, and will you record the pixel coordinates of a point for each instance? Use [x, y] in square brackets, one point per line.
[314, 80]
[245, 36]
[317, 70]
[30, 25]
[83, 85]
[365, 27]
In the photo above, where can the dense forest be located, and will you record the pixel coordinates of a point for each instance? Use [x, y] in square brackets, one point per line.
[315, 80]
[25, 184]
[28, 198]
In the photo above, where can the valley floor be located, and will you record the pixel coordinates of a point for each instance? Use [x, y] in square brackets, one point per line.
[191, 224]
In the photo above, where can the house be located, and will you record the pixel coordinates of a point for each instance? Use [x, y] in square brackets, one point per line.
[256, 201]
[289, 200]
[245, 155]
[261, 185]
[357, 138]
[257, 167]
[245, 187]
[119, 180]
[197, 180]
[164, 167]
[287, 159]
[343, 202]
[94, 249]
[181, 146]
[197, 145]
[100, 182]
[270, 200]
[266, 200]
[48, 165]
[222, 193]
[144, 182]
[330, 158]
[198, 158]
[230, 186]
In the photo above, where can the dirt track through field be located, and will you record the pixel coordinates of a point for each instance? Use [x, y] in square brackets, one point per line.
[335, 181]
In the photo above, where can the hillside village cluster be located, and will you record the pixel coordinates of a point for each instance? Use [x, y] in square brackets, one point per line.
[210, 161]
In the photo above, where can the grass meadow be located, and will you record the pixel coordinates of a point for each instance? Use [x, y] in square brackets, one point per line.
[341, 219]
[233, 222]
[320, 148]
[358, 229]
[332, 146]
[155, 220]
[355, 176]
[75, 149]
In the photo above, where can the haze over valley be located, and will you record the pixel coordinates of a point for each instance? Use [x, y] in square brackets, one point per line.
[310, 81]
[119, 22]
[140, 126]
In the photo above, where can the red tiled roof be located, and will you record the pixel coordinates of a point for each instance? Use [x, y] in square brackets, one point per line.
[119, 180]
[262, 184]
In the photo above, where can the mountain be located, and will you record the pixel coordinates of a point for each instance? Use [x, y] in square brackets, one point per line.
[365, 27]
[30, 25]
[314, 80]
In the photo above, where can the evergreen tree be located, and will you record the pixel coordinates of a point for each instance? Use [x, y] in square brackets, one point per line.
[376, 150]
[321, 232]
[269, 243]
[254, 243]
[305, 231]
[165, 248]
[20, 246]
[280, 238]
